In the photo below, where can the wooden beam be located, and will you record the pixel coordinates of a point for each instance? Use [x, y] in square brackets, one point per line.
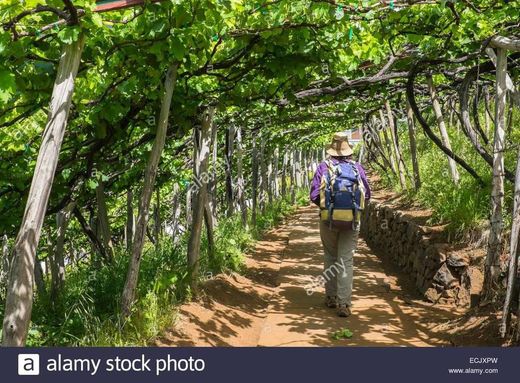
[112, 5]
[505, 43]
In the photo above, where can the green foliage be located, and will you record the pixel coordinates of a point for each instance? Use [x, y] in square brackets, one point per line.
[246, 57]
[232, 240]
[461, 207]
[275, 212]
[343, 333]
[87, 312]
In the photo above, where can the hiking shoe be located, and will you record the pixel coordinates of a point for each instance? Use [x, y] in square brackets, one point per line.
[344, 311]
[331, 302]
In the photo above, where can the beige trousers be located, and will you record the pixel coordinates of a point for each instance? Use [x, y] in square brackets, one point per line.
[339, 247]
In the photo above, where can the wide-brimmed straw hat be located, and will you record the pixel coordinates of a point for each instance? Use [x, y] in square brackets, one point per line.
[340, 146]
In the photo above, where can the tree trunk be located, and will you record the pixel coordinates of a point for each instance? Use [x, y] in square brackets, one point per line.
[229, 170]
[103, 224]
[393, 134]
[19, 299]
[240, 178]
[492, 264]
[442, 128]
[200, 169]
[128, 296]
[413, 146]
[130, 219]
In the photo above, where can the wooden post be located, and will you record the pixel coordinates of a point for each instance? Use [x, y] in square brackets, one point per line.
[293, 176]
[19, 299]
[210, 205]
[264, 179]
[284, 173]
[442, 128]
[176, 215]
[230, 136]
[393, 134]
[130, 220]
[413, 146]
[254, 183]
[157, 223]
[200, 168]
[513, 251]
[212, 182]
[363, 145]
[240, 178]
[62, 221]
[276, 184]
[492, 264]
[128, 296]
[97, 245]
[38, 277]
[103, 224]
[5, 261]
[270, 181]
[388, 143]
[515, 94]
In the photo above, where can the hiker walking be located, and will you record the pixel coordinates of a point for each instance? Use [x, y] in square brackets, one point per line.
[340, 188]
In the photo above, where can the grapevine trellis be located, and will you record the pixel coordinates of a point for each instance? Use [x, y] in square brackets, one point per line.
[225, 95]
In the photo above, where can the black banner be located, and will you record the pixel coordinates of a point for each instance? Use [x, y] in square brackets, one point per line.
[264, 365]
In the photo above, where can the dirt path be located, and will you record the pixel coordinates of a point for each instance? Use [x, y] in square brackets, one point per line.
[270, 306]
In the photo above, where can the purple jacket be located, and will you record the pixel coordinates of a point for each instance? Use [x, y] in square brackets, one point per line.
[322, 169]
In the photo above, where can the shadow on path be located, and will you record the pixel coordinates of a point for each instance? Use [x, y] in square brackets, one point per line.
[270, 304]
[383, 313]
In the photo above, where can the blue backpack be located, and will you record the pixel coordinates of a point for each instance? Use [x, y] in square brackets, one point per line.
[342, 196]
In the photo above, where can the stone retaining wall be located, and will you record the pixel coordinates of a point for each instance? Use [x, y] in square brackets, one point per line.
[439, 274]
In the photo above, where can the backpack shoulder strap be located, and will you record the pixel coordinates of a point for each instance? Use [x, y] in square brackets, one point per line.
[354, 167]
[331, 169]
[358, 176]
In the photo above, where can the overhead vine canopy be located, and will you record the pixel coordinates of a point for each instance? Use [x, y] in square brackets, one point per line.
[287, 71]
[249, 57]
